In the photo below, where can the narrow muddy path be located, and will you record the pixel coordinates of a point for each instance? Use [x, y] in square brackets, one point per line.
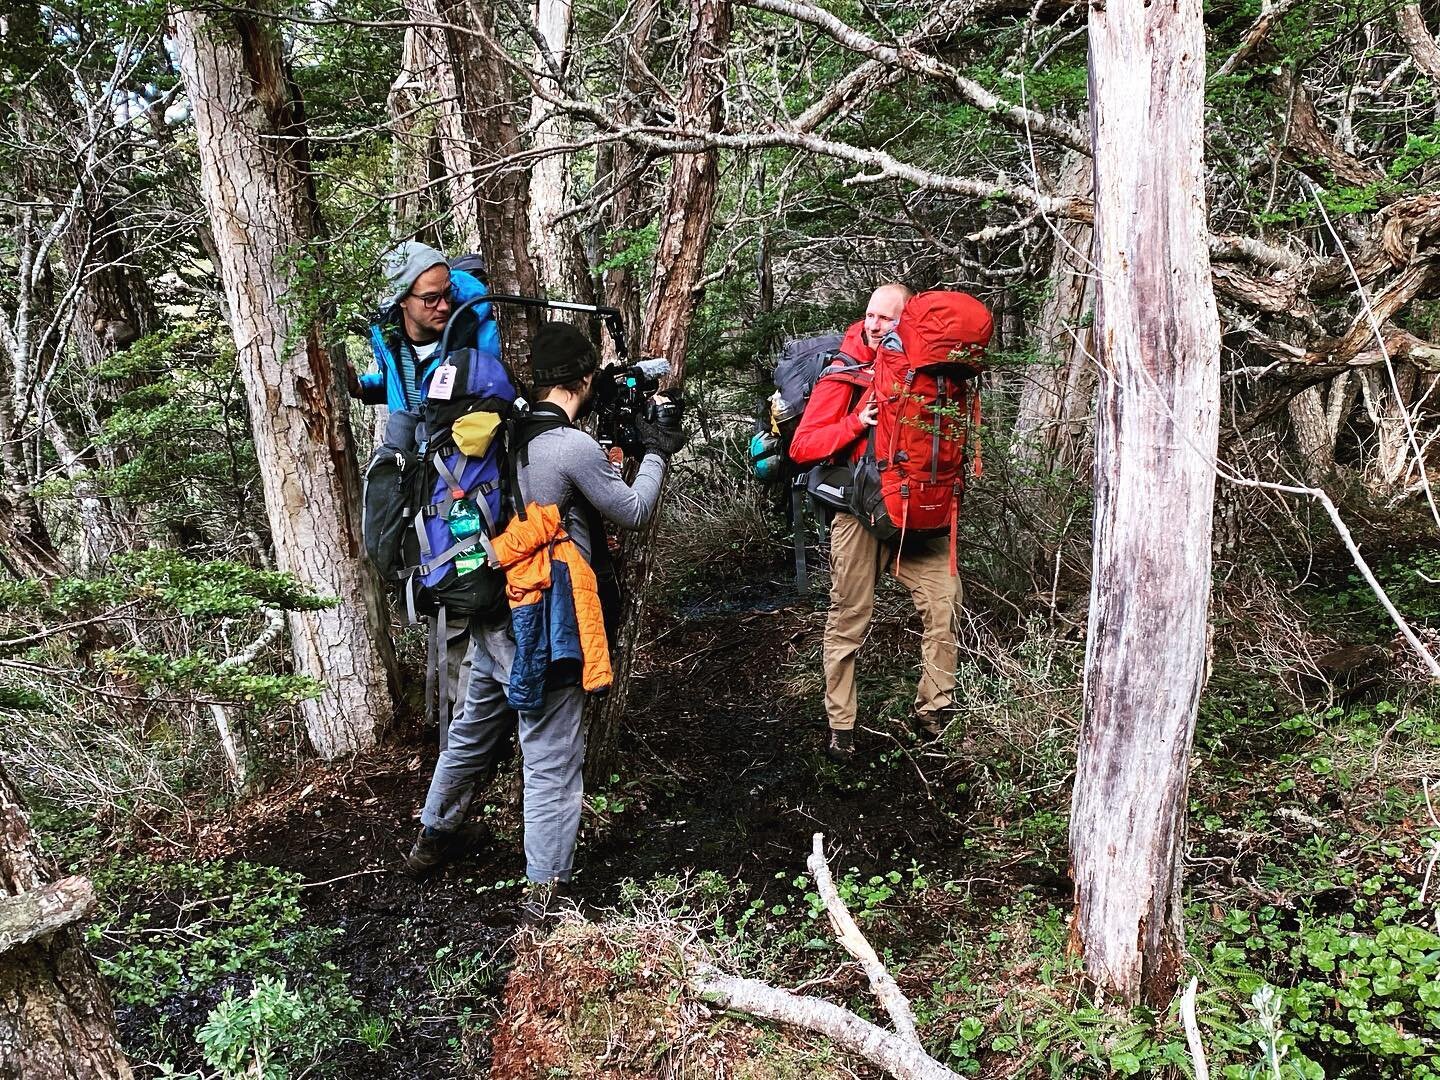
[725, 772]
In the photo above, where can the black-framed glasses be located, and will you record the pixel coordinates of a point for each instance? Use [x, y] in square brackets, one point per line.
[432, 300]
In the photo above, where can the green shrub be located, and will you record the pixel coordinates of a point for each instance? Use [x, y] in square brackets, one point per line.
[1355, 992]
[274, 1029]
[194, 924]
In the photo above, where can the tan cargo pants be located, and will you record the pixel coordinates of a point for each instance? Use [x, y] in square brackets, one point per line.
[857, 560]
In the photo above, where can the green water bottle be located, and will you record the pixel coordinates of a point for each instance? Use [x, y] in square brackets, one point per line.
[464, 519]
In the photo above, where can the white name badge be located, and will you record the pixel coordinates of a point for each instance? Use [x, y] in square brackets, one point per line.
[442, 383]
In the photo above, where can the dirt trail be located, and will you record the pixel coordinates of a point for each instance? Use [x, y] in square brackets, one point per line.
[722, 775]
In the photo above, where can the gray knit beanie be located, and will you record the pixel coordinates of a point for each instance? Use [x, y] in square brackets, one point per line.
[403, 264]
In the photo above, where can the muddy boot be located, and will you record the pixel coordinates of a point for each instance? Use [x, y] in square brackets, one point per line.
[932, 725]
[842, 747]
[540, 906]
[433, 849]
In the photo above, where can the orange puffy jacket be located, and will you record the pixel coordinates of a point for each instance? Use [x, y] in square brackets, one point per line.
[554, 606]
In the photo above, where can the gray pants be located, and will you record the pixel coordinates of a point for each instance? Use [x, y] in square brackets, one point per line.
[458, 647]
[552, 744]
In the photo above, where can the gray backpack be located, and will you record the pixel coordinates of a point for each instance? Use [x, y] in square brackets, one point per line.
[801, 362]
[823, 488]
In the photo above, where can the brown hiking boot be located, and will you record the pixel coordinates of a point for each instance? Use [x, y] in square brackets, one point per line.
[932, 724]
[540, 907]
[433, 849]
[842, 746]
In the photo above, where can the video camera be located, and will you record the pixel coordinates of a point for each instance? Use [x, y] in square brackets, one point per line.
[625, 392]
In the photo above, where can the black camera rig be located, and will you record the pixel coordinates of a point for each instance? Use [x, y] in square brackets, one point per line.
[623, 394]
[623, 391]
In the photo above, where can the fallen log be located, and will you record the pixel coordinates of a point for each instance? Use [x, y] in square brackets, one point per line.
[43, 910]
[899, 1057]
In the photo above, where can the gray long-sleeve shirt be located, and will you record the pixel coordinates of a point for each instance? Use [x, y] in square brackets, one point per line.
[563, 461]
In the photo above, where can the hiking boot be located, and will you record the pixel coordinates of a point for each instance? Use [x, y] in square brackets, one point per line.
[932, 724]
[540, 907]
[842, 746]
[433, 848]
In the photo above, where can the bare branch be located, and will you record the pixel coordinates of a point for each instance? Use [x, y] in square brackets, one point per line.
[901, 1059]
[1016, 116]
[882, 984]
[1255, 36]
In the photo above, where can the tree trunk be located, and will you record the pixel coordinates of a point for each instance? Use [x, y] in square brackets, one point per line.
[1157, 344]
[476, 125]
[258, 190]
[1316, 416]
[559, 260]
[26, 547]
[1393, 452]
[414, 151]
[1418, 40]
[627, 173]
[98, 533]
[114, 309]
[1057, 392]
[679, 260]
[55, 1017]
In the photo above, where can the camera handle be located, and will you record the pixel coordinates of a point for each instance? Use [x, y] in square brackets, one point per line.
[609, 315]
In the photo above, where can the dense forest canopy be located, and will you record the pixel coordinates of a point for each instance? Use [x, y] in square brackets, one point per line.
[1202, 550]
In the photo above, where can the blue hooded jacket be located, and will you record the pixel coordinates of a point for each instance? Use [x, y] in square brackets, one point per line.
[479, 331]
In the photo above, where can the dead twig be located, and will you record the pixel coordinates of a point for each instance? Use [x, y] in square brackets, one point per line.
[1192, 1032]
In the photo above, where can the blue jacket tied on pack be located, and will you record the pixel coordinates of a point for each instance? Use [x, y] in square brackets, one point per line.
[478, 330]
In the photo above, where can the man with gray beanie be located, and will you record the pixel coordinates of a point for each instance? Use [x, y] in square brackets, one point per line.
[421, 292]
[554, 464]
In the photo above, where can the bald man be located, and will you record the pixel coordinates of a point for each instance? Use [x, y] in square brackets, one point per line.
[837, 419]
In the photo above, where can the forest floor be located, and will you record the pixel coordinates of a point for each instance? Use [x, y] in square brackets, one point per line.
[1308, 846]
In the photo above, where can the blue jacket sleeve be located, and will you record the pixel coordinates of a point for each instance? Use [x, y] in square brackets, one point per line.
[372, 388]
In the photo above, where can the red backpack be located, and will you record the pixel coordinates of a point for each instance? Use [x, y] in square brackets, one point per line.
[911, 478]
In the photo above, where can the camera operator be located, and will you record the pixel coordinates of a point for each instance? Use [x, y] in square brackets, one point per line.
[555, 464]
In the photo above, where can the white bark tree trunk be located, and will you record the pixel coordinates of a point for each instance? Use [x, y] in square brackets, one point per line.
[255, 178]
[559, 261]
[1156, 429]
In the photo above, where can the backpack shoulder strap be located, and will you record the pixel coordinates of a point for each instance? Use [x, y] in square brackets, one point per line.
[845, 365]
[523, 428]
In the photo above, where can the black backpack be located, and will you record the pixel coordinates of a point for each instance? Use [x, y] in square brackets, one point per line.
[822, 489]
[795, 374]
